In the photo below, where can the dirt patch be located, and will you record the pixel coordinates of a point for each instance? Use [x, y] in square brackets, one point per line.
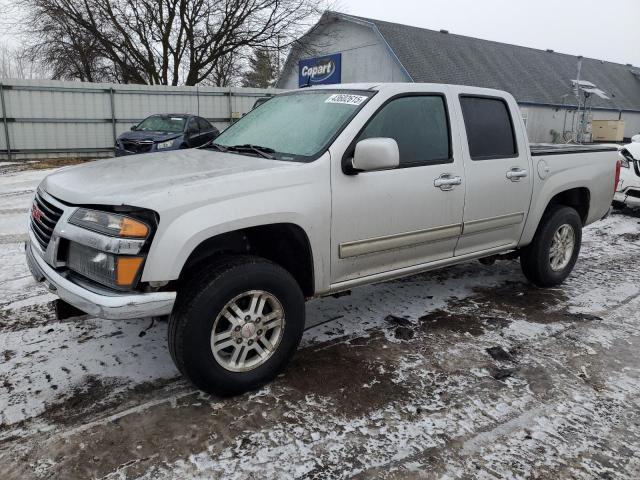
[357, 377]
[43, 164]
[80, 401]
[631, 237]
[628, 211]
[13, 320]
[500, 354]
[8, 355]
[443, 322]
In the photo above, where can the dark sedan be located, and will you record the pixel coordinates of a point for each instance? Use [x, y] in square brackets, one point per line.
[159, 133]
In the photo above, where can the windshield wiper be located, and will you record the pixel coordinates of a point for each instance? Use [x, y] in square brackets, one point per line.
[265, 152]
[212, 144]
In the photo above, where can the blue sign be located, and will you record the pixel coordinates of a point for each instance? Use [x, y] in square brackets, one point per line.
[319, 71]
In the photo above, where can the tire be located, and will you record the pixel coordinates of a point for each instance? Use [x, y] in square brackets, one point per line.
[535, 259]
[199, 310]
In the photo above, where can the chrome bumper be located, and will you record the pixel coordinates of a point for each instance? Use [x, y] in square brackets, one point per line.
[104, 303]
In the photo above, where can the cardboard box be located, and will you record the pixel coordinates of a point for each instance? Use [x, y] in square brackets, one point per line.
[607, 130]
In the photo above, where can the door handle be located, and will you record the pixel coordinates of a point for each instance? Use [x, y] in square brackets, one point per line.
[516, 173]
[446, 182]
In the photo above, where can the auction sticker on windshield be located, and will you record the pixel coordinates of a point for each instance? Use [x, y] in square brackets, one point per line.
[346, 98]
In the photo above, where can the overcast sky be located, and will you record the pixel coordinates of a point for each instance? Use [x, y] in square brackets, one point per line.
[602, 29]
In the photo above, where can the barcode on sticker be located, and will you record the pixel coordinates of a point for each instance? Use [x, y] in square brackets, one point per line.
[346, 98]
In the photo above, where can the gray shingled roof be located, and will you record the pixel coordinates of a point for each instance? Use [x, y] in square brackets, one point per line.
[530, 75]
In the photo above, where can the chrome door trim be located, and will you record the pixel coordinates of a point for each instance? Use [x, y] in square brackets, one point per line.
[398, 240]
[414, 269]
[492, 223]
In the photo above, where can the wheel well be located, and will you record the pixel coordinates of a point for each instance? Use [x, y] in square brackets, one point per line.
[577, 198]
[283, 243]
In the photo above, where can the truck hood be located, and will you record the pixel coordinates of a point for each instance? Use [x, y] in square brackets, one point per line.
[166, 179]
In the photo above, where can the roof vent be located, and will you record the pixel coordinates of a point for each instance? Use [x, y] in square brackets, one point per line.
[444, 31]
[550, 50]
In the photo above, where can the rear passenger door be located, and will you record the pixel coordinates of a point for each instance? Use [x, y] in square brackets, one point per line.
[497, 172]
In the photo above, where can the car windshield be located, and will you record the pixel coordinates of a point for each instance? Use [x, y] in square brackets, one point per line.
[295, 126]
[162, 123]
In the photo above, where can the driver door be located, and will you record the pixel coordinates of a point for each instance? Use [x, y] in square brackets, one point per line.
[395, 219]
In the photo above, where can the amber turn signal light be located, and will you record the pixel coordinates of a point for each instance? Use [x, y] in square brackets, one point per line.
[127, 270]
[132, 228]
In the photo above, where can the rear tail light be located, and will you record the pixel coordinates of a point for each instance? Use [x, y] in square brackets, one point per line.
[618, 166]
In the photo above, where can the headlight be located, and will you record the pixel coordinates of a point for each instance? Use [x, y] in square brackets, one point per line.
[105, 268]
[109, 223]
[167, 144]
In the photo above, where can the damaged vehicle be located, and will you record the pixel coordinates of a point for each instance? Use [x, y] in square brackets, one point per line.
[160, 133]
[629, 184]
[314, 193]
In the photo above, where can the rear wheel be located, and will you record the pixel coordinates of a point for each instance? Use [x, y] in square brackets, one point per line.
[552, 254]
[238, 325]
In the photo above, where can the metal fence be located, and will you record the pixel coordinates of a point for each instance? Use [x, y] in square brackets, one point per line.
[51, 118]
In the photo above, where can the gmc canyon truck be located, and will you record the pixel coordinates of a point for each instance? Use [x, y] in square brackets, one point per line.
[312, 193]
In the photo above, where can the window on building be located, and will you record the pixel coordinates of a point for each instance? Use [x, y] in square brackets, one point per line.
[489, 128]
[419, 125]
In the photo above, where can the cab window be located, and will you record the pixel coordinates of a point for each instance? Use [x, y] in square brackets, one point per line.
[419, 124]
[489, 128]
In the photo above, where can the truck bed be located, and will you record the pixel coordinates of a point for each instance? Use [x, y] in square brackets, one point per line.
[538, 149]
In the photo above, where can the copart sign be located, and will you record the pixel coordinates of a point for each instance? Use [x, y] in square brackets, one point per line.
[320, 70]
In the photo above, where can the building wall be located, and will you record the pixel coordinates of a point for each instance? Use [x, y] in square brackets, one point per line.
[542, 119]
[365, 56]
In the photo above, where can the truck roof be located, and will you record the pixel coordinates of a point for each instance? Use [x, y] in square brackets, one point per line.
[405, 86]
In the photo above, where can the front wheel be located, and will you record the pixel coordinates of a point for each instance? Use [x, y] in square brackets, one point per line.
[236, 326]
[550, 257]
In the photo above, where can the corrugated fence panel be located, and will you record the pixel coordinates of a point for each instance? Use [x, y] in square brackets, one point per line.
[47, 117]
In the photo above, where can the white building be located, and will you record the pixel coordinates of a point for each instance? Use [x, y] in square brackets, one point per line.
[365, 50]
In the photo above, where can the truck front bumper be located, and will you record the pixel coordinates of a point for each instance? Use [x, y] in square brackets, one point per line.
[101, 303]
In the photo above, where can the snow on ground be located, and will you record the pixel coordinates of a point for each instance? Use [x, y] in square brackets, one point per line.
[464, 372]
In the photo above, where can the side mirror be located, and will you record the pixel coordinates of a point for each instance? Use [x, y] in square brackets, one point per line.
[134, 128]
[375, 154]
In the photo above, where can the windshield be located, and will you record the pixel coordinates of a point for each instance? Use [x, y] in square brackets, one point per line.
[158, 123]
[296, 126]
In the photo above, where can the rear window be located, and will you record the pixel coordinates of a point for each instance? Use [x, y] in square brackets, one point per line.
[162, 123]
[489, 128]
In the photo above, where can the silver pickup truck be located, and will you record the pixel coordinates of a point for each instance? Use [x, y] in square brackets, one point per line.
[314, 192]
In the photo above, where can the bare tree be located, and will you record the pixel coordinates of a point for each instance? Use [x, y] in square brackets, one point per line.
[227, 71]
[166, 42]
[15, 64]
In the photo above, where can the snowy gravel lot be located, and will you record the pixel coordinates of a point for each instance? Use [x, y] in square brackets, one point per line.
[467, 372]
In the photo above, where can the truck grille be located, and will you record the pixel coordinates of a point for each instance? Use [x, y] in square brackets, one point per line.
[137, 147]
[44, 217]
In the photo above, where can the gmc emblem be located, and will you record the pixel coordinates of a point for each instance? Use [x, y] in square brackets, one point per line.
[36, 213]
